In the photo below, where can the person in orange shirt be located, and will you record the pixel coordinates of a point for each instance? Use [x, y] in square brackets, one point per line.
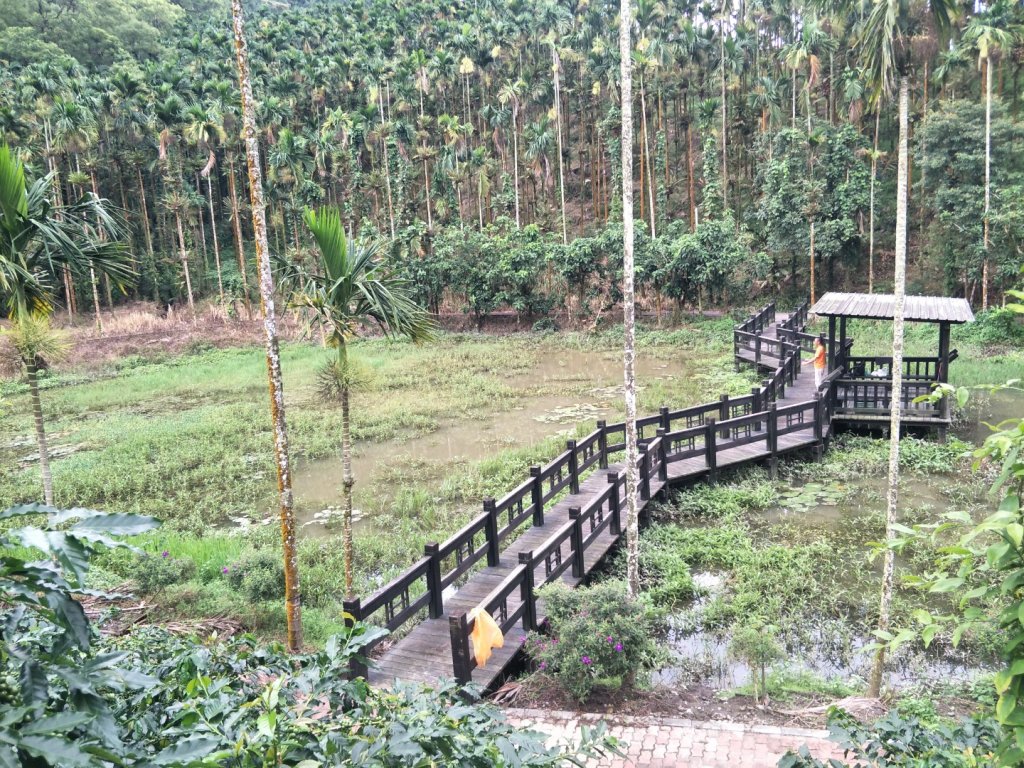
[820, 361]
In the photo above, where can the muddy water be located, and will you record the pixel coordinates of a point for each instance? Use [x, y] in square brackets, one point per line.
[828, 647]
[556, 395]
[989, 408]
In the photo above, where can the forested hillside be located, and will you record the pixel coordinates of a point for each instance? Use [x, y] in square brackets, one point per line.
[481, 140]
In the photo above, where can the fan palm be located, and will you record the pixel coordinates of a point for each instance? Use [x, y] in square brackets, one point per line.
[353, 289]
[37, 240]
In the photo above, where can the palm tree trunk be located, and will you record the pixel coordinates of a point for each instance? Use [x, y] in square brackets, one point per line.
[647, 152]
[871, 205]
[988, 178]
[900, 287]
[151, 259]
[236, 221]
[216, 245]
[812, 263]
[387, 163]
[259, 223]
[183, 255]
[37, 416]
[515, 159]
[691, 182]
[629, 303]
[725, 132]
[347, 480]
[557, 65]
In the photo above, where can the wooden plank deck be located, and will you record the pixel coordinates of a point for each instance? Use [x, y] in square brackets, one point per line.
[425, 653]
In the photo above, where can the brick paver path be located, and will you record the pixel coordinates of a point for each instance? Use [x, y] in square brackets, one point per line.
[657, 742]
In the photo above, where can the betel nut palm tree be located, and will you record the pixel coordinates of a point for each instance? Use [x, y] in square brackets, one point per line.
[353, 289]
[886, 48]
[38, 241]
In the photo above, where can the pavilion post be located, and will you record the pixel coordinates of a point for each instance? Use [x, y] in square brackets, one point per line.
[942, 374]
[842, 339]
[831, 342]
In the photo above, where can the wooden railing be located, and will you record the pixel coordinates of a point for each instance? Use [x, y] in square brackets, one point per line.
[664, 438]
[873, 397]
[914, 368]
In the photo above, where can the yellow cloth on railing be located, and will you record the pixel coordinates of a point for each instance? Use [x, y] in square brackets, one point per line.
[485, 635]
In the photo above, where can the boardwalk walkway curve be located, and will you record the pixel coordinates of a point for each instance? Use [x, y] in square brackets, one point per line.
[561, 521]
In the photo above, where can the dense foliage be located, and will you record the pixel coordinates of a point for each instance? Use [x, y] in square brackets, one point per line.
[74, 699]
[434, 125]
[895, 741]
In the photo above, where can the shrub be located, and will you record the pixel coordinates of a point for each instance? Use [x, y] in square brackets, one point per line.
[756, 645]
[154, 573]
[258, 575]
[898, 742]
[599, 638]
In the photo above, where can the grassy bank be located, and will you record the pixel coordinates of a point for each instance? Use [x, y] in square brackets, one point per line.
[187, 439]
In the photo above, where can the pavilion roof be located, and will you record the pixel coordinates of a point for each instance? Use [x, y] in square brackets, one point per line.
[881, 306]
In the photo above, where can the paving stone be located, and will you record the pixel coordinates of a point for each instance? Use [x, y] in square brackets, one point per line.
[651, 742]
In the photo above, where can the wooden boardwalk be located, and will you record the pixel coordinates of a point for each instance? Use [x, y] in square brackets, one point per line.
[563, 521]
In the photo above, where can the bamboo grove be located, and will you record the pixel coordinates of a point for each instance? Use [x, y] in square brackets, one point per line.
[480, 141]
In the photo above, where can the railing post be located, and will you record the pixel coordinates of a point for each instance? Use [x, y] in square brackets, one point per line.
[615, 504]
[772, 440]
[711, 447]
[526, 593]
[574, 467]
[666, 420]
[537, 495]
[493, 553]
[756, 406]
[576, 537]
[766, 385]
[436, 609]
[353, 612]
[819, 416]
[723, 412]
[757, 350]
[662, 456]
[645, 472]
[602, 444]
[458, 630]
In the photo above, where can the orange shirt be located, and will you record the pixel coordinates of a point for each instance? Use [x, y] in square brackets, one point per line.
[819, 358]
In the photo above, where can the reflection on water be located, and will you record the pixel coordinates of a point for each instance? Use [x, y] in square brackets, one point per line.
[988, 408]
[828, 646]
[587, 385]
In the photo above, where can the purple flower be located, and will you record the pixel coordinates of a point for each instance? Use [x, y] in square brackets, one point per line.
[224, 569]
[543, 665]
[610, 639]
[165, 554]
[587, 661]
[618, 647]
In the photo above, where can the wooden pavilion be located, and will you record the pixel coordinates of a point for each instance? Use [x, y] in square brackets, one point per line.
[864, 386]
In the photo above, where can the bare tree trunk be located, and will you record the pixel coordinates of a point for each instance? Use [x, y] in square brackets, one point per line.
[725, 130]
[347, 481]
[900, 288]
[387, 162]
[647, 153]
[183, 255]
[236, 221]
[691, 183]
[812, 263]
[216, 245]
[515, 158]
[871, 206]
[259, 224]
[988, 177]
[37, 415]
[557, 66]
[629, 303]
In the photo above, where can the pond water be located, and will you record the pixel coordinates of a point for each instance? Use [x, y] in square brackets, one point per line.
[829, 646]
[557, 394]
